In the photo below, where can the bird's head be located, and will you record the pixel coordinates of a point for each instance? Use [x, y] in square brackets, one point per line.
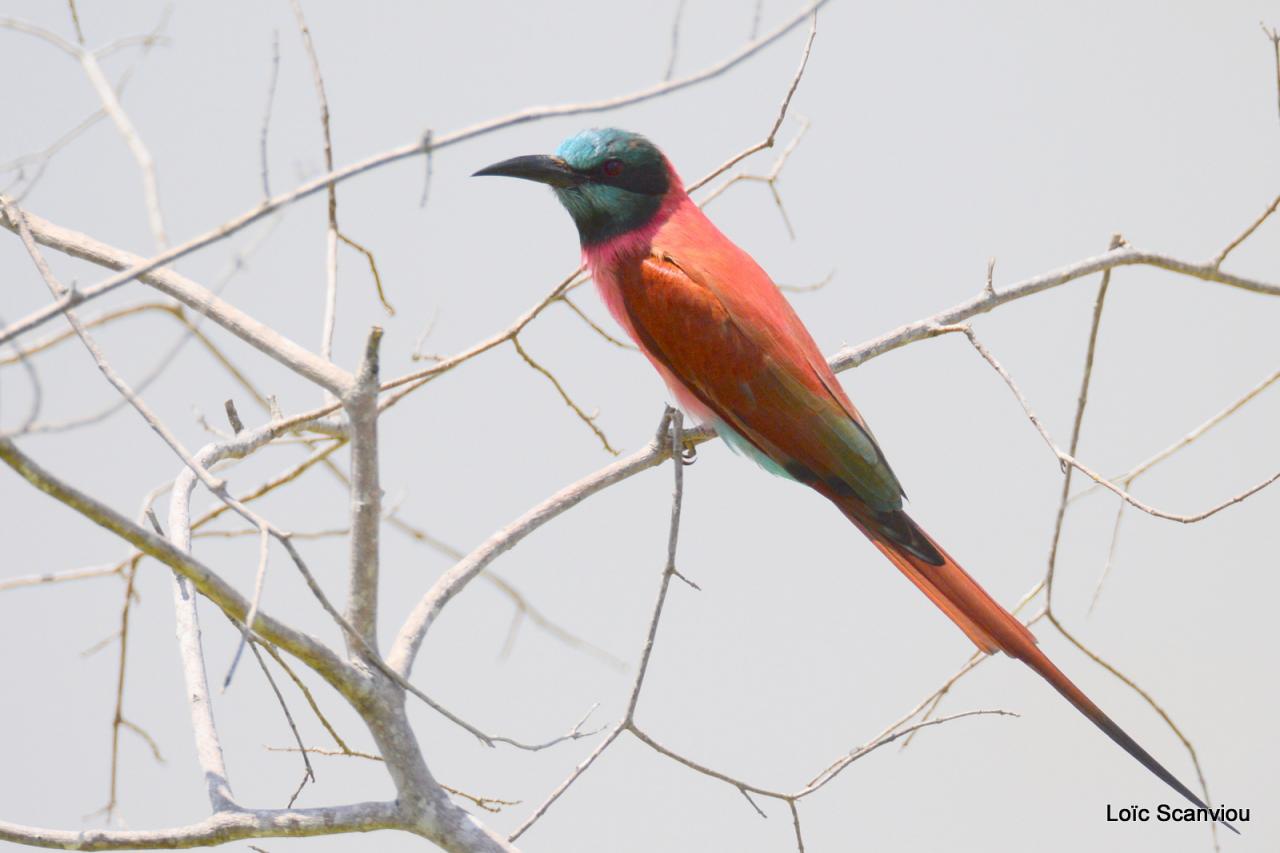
[611, 181]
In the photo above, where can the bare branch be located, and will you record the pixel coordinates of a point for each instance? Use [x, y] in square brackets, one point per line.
[33, 378]
[675, 40]
[809, 288]
[251, 331]
[366, 496]
[61, 577]
[30, 29]
[1067, 459]
[373, 269]
[537, 617]
[259, 582]
[1246, 233]
[1126, 479]
[233, 416]
[207, 582]
[573, 306]
[310, 773]
[141, 154]
[1142, 467]
[75, 19]
[768, 141]
[331, 190]
[564, 786]
[146, 738]
[117, 717]
[266, 114]
[888, 738]
[985, 302]
[219, 828]
[671, 419]
[1273, 35]
[795, 822]
[331, 753]
[306, 692]
[418, 378]
[589, 420]
[453, 581]
[429, 143]
[166, 359]
[770, 180]
[1086, 376]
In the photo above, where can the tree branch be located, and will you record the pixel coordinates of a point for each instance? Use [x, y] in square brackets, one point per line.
[251, 331]
[218, 829]
[366, 497]
[211, 585]
[427, 144]
[987, 301]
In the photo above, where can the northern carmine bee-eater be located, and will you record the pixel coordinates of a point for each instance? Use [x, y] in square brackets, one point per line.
[735, 355]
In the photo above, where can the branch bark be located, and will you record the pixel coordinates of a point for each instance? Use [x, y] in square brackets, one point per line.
[217, 829]
[257, 334]
[366, 497]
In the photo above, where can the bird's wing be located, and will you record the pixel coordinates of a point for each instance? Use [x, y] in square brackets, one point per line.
[739, 348]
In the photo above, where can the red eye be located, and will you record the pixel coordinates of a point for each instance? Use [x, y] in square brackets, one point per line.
[612, 168]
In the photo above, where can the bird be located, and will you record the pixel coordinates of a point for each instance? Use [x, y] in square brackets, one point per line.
[736, 356]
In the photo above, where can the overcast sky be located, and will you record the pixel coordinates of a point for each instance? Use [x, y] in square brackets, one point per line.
[941, 135]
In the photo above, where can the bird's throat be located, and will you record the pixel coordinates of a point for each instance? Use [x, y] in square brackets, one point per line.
[603, 213]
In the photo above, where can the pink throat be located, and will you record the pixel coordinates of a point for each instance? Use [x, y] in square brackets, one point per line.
[637, 241]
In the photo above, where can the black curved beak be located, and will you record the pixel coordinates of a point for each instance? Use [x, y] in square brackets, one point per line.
[536, 167]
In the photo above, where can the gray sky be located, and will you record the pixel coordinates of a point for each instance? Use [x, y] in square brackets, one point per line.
[942, 134]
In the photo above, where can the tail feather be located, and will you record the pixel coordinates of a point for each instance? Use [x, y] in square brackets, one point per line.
[1039, 662]
[984, 621]
[990, 626]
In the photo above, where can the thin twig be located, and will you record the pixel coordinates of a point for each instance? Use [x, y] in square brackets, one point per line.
[331, 191]
[1192, 436]
[75, 20]
[309, 773]
[266, 114]
[61, 577]
[259, 582]
[769, 140]
[1273, 35]
[167, 358]
[589, 420]
[888, 738]
[582, 315]
[373, 268]
[1067, 459]
[770, 180]
[675, 40]
[809, 288]
[672, 421]
[141, 154]
[117, 717]
[1086, 376]
[1246, 233]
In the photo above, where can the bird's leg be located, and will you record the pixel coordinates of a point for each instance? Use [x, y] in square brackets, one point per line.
[689, 452]
[688, 443]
